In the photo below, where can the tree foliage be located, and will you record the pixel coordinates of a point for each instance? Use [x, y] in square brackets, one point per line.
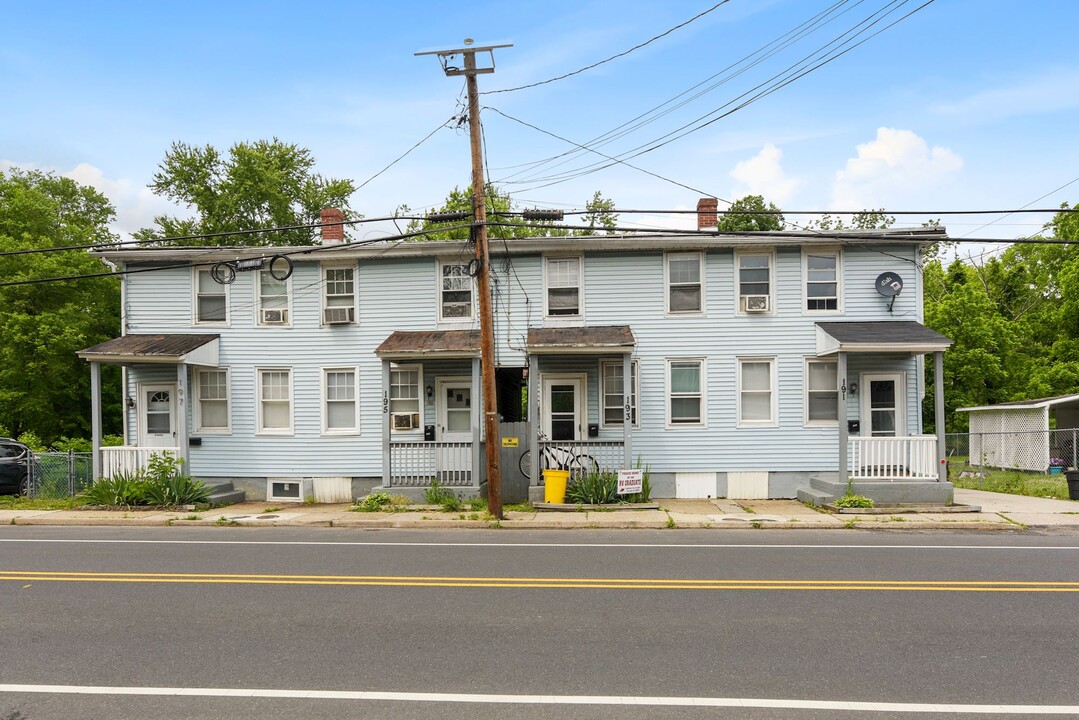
[762, 216]
[264, 184]
[44, 385]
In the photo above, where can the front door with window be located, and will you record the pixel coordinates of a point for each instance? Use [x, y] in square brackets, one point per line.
[882, 405]
[563, 407]
[157, 416]
[454, 401]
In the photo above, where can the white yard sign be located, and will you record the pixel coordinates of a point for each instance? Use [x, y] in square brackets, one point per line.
[630, 481]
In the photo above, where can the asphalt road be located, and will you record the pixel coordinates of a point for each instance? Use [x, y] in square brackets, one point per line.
[528, 625]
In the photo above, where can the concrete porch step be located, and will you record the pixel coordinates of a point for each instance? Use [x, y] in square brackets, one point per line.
[223, 493]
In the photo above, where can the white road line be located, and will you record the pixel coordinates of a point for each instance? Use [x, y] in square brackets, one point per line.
[504, 699]
[657, 546]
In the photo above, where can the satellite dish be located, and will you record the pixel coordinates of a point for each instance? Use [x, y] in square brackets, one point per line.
[889, 284]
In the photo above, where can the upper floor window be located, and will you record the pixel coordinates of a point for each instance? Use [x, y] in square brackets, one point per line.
[822, 286]
[274, 401]
[404, 398]
[339, 395]
[564, 286]
[756, 391]
[212, 408]
[612, 391]
[339, 295]
[821, 392]
[454, 292]
[685, 392]
[684, 289]
[273, 300]
[211, 299]
[754, 282]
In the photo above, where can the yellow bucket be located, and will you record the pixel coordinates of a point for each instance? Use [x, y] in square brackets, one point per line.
[554, 486]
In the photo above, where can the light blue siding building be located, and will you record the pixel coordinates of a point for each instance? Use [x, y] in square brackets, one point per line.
[747, 367]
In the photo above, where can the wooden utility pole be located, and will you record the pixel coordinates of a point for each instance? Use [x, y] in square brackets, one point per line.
[483, 275]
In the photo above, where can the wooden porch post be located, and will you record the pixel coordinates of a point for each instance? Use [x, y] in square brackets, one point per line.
[938, 414]
[842, 379]
[534, 419]
[385, 423]
[476, 421]
[95, 416]
[181, 417]
[627, 401]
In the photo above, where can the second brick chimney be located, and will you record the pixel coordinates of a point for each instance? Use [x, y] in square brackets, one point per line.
[332, 234]
[707, 209]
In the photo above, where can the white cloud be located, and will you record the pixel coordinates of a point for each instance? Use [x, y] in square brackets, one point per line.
[763, 175]
[136, 206]
[895, 168]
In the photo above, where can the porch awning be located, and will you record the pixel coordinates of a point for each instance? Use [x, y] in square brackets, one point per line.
[590, 340]
[879, 336]
[182, 348]
[409, 345]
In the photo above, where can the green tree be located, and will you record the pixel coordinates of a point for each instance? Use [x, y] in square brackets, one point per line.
[762, 216]
[600, 214]
[264, 184]
[864, 220]
[44, 386]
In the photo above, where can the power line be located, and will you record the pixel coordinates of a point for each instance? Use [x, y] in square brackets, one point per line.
[613, 57]
[1023, 209]
[406, 153]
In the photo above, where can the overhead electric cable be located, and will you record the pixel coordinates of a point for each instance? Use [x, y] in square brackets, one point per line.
[1023, 209]
[406, 153]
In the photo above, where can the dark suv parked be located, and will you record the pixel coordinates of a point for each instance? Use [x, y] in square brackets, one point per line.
[14, 467]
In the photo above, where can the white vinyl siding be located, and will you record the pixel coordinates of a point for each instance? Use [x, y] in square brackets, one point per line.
[454, 292]
[685, 392]
[339, 294]
[211, 300]
[685, 289]
[754, 281]
[756, 392]
[821, 392]
[212, 408]
[340, 414]
[273, 299]
[274, 401]
[612, 387]
[822, 270]
[405, 406]
[563, 291]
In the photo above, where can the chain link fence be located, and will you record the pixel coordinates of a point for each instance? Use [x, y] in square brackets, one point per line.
[55, 475]
[1032, 451]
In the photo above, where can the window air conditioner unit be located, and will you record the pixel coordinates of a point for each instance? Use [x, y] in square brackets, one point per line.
[274, 317]
[754, 303]
[337, 315]
[405, 421]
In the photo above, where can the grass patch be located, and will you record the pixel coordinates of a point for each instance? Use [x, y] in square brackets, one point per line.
[438, 495]
[1012, 482]
[519, 507]
[19, 502]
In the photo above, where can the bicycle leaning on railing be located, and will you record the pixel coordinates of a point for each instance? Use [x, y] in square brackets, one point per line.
[559, 458]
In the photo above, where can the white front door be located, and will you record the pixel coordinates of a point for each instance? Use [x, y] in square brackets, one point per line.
[454, 410]
[883, 412]
[157, 416]
[563, 407]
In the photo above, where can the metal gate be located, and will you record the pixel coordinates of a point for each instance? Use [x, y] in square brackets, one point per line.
[514, 482]
[55, 475]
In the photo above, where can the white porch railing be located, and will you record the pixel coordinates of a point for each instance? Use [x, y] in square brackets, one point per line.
[129, 459]
[416, 464]
[893, 458]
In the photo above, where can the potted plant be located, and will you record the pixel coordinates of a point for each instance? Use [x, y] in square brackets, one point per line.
[1057, 465]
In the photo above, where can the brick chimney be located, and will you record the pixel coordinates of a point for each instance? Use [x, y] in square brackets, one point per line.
[707, 209]
[332, 234]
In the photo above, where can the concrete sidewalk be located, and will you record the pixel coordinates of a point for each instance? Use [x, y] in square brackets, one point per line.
[997, 512]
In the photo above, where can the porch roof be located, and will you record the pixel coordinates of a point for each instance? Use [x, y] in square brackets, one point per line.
[590, 339]
[879, 336]
[181, 348]
[413, 344]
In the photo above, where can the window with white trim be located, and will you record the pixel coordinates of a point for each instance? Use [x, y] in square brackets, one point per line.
[211, 299]
[821, 392]
[756, 391]
[612, 389]
[754, 282]
[685, 389]
[405, 404]
[454, 292]
[275, 401]
[822, 287]
[340, 413]
[212, 408]
[684, 289]
[273, 299]
[563, 290]
[338, 295]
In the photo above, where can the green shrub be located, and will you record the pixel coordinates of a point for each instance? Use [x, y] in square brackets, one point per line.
[175, 490]
[32, 441]
[112, 441]
[852, 500]
[438, 495]
[66, 444]
[120, 489]
[595, 488]
[374, 502]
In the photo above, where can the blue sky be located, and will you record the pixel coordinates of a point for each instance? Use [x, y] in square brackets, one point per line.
[966, 104]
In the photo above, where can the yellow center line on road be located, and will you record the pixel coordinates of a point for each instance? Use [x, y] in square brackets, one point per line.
[545, 583]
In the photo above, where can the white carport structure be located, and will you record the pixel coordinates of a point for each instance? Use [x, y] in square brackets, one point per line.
[1016, 435]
